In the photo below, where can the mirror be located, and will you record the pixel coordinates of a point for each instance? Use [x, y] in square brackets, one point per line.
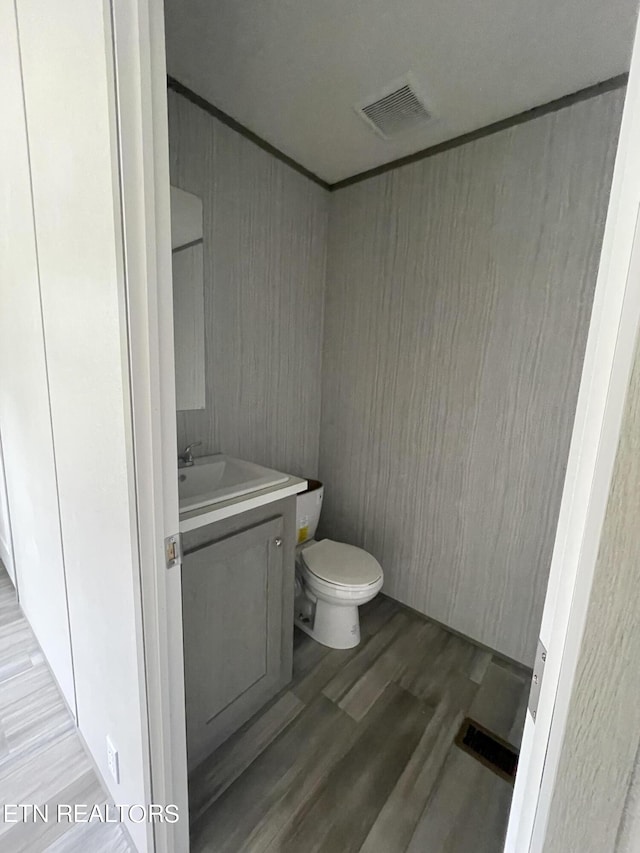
[188, 298]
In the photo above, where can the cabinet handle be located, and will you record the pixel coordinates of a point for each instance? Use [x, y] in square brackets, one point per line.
[277, 542]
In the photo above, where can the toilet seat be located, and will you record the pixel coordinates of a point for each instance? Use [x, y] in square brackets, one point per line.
[340, 564]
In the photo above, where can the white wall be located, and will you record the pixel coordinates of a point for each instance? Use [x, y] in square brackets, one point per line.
[64, 350]
[25, 420]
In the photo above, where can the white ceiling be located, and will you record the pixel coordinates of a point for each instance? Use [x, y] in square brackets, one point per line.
[292, 70]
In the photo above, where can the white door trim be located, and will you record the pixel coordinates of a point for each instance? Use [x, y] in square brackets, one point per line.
[141, 82]
[139, 58]
[605, 378]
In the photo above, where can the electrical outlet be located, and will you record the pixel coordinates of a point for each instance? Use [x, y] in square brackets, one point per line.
[112, 761]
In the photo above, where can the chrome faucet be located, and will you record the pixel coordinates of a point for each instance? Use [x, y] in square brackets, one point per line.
[185, 460]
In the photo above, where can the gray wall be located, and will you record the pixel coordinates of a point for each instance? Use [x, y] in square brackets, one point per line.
[596, 804]
[458, 293]
[265, 232]
[458, 296]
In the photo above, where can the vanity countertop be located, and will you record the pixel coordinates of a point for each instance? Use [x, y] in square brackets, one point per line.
[235, 506]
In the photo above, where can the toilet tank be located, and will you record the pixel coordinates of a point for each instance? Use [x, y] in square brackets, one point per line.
[309, 505]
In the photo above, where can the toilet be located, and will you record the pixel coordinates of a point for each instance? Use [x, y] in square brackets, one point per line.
[332, 579]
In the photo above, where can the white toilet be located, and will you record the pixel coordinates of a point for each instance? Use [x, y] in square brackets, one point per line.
[332, 579]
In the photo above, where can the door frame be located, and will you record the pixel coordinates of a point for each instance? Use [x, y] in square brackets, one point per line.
[143, 159]
[609, 355]
[139, 57]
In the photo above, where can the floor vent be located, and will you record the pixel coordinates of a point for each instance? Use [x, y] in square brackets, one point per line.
[496, 754]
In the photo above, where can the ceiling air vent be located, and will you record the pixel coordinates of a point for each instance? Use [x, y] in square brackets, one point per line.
[396, 110]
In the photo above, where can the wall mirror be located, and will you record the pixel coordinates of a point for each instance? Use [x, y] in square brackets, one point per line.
[188, 298]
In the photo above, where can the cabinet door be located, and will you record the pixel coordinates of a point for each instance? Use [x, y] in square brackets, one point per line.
[233, 632]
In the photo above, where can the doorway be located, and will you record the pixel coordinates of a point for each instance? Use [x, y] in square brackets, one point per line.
[517, 848]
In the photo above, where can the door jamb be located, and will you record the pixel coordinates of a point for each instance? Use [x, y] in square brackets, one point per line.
[140, 71]
[139, 53]
[605, 379]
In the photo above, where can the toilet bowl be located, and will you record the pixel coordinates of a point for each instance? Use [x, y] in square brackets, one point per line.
[332, 579]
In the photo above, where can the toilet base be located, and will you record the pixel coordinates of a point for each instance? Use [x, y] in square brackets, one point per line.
[334, 625]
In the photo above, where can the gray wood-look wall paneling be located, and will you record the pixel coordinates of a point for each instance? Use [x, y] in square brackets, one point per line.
[459, 292]
[596, 806]
[188, 326]
[265, 234]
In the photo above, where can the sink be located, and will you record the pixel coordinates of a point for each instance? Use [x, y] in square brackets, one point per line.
[213, 479]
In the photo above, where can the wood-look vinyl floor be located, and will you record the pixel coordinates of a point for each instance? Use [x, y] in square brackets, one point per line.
[42, 760]
[357, 754]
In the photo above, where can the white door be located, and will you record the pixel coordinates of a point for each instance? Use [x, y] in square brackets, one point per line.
[606, 372]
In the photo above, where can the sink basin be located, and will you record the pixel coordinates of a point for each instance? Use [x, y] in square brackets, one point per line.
[212, 479]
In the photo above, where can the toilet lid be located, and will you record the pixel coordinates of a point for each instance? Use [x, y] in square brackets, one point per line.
[341, 564]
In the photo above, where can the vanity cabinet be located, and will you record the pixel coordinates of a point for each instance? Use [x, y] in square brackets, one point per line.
[237, 590]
